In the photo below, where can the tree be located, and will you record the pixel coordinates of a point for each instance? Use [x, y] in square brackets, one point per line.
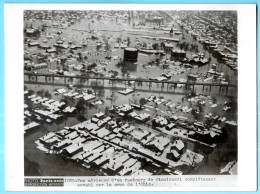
[30, 92]
[40, 93]
[98, 88]
[47, 94]
[155, 46]
[227, 78]
[120, 64]
[123, 72]
[81, 106]
[197, 115]
[119, 39]
[142, 101]
[99, 17]
[144, 162]
[193, 93]
[37, 33]
[106, 110]
[192, 157]
[144, 44]
[89, 91]
[118, 120]
[98, 47]
[128, 41]
[186, 47]
[92, 66]
[64, 100]
[214, 100]
[79, 56]
[81, 117]
[43, 28]
[181, 46]
[107, 46]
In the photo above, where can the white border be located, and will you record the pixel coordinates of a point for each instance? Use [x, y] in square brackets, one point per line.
[247, 166]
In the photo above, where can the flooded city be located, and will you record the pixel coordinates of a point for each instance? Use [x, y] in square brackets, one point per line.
[129, 93]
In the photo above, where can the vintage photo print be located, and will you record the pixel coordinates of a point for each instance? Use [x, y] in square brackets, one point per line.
[131, 98]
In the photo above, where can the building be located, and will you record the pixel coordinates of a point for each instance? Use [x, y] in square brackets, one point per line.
[179, 146]
[143, 117]
[61, 145]
[30, 126]
[192, 77]
[178, 54]
[39, 66]
[159, 121]
[167, 46]
[73, 149]
[49, 140]
[125, 109]
[177, 149]
[208, 137]
[170, 126]
[29, 32]
[154, 20]
[158, 144]
[34, 43]
[51, 50]
[100, 162]
[130, 54]
[139, 134]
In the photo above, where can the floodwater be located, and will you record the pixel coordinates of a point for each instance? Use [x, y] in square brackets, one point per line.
[55, 165]
[111, 31]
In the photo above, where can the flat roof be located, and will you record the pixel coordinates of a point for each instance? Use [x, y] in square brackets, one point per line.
[130, 49]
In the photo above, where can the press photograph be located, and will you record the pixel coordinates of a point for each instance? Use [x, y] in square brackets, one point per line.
[130, 93]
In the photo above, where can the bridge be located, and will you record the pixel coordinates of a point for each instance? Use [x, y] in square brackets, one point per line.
[114, 80]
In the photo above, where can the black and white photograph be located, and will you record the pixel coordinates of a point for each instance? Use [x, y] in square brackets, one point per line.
[128, 93]
[124, 93]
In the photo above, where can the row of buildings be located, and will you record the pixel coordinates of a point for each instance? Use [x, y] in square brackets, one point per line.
[113, 148]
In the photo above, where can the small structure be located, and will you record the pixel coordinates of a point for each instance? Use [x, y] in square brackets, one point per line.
[158, 144]
[130, 54]
[39, 66]
[154, 20]
[49, 140]
[125, 109]
[126, 91]
[178, 54]
[208, 137]
[170, 126]
[167, 46]
[34, 43]
[192, 77]
[177, 149]
[114, 167]
[51, 50]
[143, 117]
[73, 149]
[30, 126]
